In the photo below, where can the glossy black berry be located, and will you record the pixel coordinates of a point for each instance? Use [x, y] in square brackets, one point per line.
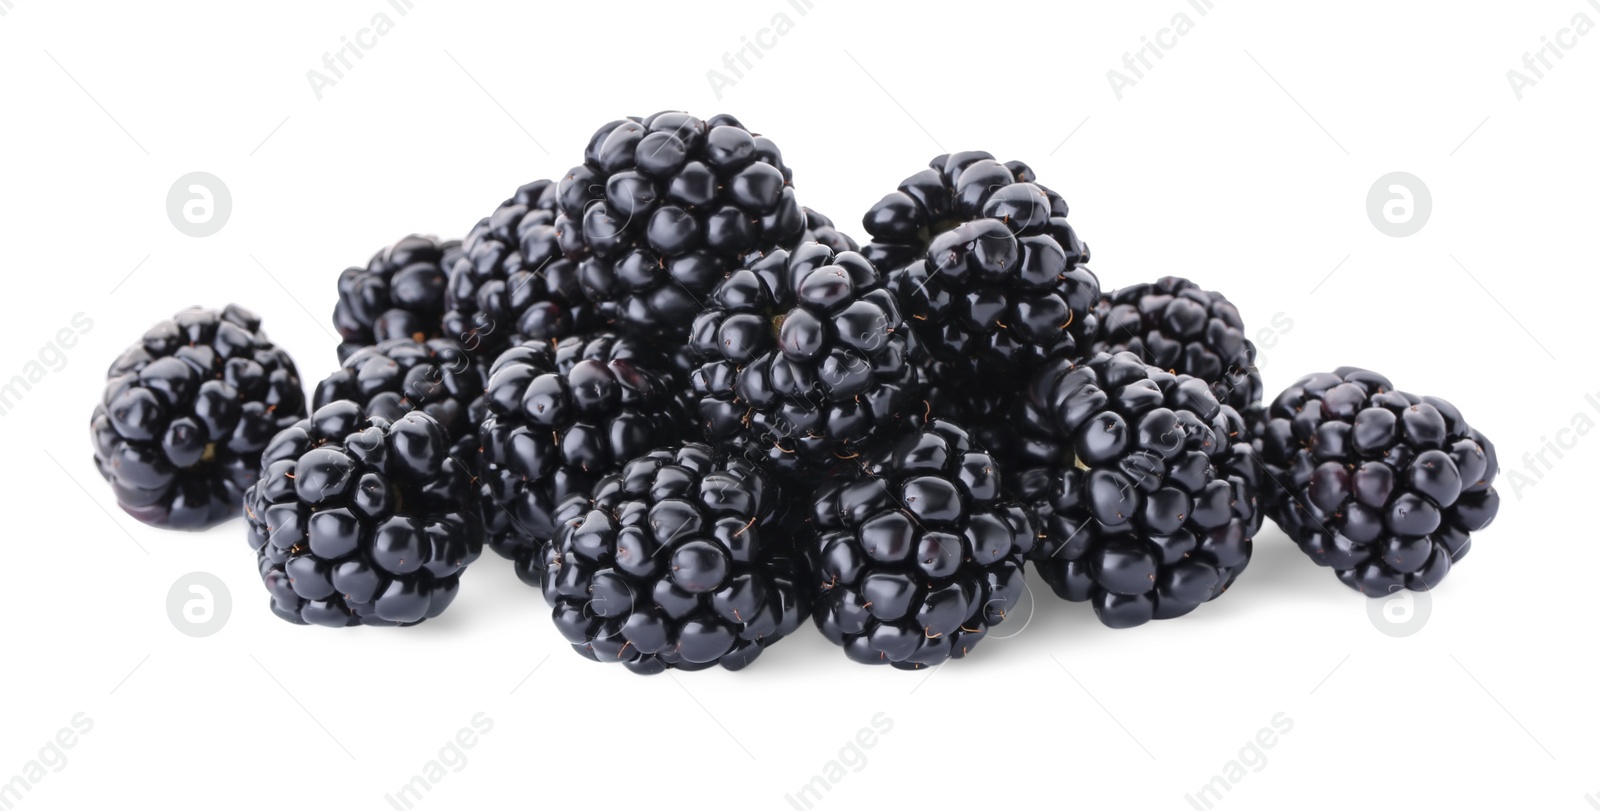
[1146, 486]
[512, 281]
[399, 294]
[357, 520]
[988, 273]
[558, 419]
[437, 377]
[1176, 325]
[683, 558]
[804, 358]
[1383, 486]
[918, 553]
[186, 413]
[821, 229]
[664, 207]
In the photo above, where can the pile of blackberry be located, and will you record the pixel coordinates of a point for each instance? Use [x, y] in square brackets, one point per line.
[694, 413]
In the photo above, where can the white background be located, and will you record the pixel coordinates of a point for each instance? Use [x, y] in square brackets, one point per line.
[1242, 160]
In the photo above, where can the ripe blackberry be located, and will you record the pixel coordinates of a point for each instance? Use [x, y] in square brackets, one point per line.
[918, 554]
[438, 378]
[1149, 499]
[511, 282]
[986, 268]
[558, 419]
[820, 229]
[803, 357]
[681, 559]
[664, 207]
[985, 413]
[358, 520]
[1384, 486]
[1176, 325]
[399, 294]
[186, 412]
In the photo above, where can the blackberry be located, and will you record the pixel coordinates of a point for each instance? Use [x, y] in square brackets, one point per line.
[1176, 325]
[681, 559]
[804, 358]
[664, 207]
[1383, 486]
[438, 378]
[1148, 494]
[512, 282]
[186, 413]
[986, 268]
[984, 412]
[918, 554]
[358, 520]
[399, 294]
[820, 229]
[558, 419]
